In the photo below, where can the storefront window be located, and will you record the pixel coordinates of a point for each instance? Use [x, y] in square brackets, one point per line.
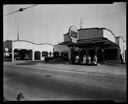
[44, 54]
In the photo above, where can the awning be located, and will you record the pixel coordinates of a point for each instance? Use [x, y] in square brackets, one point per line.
[94, 42]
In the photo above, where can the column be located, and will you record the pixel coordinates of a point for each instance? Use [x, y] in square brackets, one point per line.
[103, 55]
[69, 54]
[40, 55]
[123, 55]
[33, 54]
[12, 55]
[118, 55]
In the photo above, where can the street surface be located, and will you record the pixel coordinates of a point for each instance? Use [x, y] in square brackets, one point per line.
[43, 81]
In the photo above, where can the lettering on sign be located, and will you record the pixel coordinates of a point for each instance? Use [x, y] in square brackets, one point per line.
[73, 33]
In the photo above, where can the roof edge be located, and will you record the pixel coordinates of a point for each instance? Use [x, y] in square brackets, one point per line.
[30, 42]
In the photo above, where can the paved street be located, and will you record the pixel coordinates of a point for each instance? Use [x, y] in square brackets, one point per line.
[43, 81]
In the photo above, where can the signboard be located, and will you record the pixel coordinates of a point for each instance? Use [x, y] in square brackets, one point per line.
[6, 54]
[6, 49]
[73, 33]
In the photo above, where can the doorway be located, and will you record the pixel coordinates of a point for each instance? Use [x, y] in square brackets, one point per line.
[100, 55]
[37, 55]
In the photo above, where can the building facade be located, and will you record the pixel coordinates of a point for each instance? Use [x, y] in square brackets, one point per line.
[95, 41]
[26, 50]
[100, 42]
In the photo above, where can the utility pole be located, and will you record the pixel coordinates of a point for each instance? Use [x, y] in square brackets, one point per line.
[17, 11]
[18, 36]
[17, 25]
[80, 22]
[18, 33]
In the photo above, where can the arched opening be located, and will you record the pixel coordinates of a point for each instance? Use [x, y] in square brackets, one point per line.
[65, 55]
[44, 53]
[22, 54]
[37, 55]
[56, 55]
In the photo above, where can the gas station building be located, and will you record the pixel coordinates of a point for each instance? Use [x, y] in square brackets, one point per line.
[94, 41]
[84, 41]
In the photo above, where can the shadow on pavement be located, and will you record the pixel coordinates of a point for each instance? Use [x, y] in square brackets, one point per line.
[37, 62]
[29, 62]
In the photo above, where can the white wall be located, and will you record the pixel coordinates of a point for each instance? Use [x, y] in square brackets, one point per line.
[107, 34]
[122, 48]
[34, 47]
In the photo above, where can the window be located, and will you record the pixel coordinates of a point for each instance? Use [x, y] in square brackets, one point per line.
[44, 54]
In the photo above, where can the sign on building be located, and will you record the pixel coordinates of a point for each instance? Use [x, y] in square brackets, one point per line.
[73, 33]
[6, 49]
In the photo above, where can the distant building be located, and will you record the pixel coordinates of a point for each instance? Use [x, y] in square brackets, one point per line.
[94, 41]
[26, 50]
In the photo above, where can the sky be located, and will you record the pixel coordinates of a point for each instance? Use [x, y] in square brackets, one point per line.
[46, 23]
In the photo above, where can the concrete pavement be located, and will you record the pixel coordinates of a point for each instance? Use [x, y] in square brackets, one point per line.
[115, 69]
[78, 79]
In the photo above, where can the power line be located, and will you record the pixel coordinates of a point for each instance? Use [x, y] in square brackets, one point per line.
[19, 10]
